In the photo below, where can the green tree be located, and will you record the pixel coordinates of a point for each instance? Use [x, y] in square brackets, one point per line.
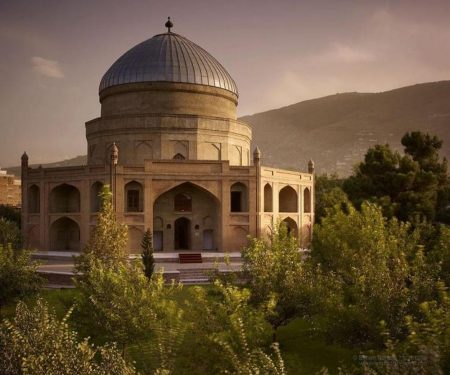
[148, 260]
[226, 333]
[10, 213]
[380, 268]
[331, 201]
[426, 348]
[251, 362]
[125, 307]
[18, 275]
[108, 240]
[35, 342]
[410, 187]
[439, 254]
[328, 193]
[276, 273]
[10, 234]
[424, 149]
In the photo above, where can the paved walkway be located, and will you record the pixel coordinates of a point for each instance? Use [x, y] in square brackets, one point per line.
[55, 262]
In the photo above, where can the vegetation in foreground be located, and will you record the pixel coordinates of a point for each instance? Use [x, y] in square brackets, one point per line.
[375, 283]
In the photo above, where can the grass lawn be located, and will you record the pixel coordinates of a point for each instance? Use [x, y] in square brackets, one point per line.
[303, 349]
[306, 352]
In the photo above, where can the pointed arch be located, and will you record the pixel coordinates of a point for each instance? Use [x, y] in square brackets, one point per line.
[204, 216]
[291, 226]
[134, 197]
[288, 199]
[179, 157]
[268, 198]
[65, 235]
[34, 197]
[238, 197]
[307, 201]
[64, 198]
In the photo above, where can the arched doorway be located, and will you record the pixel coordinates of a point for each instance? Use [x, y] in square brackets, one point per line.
[65, 235]
[182, 233]
[291, 227]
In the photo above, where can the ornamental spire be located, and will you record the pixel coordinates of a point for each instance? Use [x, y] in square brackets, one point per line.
[169, 24]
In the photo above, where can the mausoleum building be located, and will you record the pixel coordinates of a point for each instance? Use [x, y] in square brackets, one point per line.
[179, 162]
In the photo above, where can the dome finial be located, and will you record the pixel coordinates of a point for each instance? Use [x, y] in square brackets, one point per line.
[168, 24]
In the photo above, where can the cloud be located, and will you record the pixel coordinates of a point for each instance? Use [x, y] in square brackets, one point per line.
[46, 67]
[341, 53]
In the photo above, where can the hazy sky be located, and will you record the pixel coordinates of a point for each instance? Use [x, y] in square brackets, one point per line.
[54, 53]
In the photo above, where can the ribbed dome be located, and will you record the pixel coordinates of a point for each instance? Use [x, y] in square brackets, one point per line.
[168, 57]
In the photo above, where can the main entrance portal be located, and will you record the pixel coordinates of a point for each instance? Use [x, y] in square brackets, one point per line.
[186, 217]
[182, 233]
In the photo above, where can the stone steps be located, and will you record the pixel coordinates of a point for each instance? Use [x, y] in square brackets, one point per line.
[195, 275]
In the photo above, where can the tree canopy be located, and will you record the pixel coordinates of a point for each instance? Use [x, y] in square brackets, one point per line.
[411, 187]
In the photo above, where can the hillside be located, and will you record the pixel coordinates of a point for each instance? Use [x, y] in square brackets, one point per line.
[77, 160]
[335, 131]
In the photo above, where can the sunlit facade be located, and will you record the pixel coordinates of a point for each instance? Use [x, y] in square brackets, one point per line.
[179, 162]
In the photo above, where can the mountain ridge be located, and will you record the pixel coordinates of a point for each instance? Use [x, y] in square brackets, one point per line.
[336, 130]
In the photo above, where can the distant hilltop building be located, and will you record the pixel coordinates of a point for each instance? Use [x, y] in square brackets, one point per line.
[178, 161]
[9, 189]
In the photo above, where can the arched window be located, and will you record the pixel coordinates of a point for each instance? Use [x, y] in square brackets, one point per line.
[65, 199]
[268, 198]
[182, 203]
[238, 197]
[307, 200]
[179, 157]
[287, 199]
[134, 197]
[34, 199]
[96, 199]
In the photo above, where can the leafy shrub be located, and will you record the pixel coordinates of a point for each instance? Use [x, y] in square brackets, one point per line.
[18, 276]
[35, 342]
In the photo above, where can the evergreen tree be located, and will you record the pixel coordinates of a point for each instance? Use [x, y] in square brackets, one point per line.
[411, 187]
[147, 254]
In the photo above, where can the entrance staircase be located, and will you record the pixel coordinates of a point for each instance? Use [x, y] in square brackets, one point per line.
[190, 257]
[195, 275]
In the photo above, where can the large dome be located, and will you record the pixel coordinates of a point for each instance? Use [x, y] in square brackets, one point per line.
[168, 57]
